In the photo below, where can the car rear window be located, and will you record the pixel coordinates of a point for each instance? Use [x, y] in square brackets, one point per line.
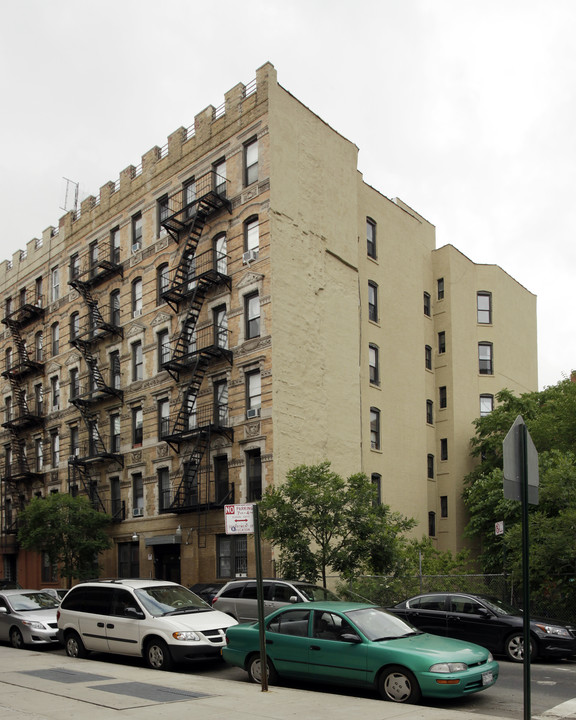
[437, 602]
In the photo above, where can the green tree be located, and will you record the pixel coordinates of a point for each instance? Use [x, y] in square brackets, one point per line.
[318, 520]
[68, 530]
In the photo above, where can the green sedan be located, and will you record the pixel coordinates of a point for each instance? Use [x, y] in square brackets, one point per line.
[360, 645]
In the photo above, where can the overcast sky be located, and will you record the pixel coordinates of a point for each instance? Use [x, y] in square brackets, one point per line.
[465, 109]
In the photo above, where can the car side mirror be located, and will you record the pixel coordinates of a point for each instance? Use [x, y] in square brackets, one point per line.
[350, 638]
[133, 613]
[294, 599]
[484, 612]
[3, 610]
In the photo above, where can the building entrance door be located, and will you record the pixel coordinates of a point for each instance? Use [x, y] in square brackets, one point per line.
[167, 562]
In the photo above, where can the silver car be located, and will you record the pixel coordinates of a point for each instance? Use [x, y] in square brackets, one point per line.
[28, 617]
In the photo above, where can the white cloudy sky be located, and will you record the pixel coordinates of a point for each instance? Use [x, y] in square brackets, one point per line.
[463, 108]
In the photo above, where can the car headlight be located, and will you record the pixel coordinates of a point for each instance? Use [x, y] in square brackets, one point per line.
[553, 630]
[186, 635]
[448, 667]
[34, 624]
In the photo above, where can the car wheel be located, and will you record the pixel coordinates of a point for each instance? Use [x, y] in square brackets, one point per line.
[514, 648]
[399, 685]
[16, 639]
[74, 646]
[157, 655]
[254, 668]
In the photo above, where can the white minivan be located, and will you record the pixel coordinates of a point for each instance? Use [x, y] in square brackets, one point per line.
[161, 621]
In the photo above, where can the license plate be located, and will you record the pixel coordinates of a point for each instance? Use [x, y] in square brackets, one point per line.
[487, 678]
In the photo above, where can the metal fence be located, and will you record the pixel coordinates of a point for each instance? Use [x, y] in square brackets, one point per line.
[557, 601]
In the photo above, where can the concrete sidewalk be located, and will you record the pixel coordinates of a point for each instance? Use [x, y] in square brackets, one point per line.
[40, 685]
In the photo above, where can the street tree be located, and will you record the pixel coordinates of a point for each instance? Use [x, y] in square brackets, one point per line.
[68, 530]
[320, 521]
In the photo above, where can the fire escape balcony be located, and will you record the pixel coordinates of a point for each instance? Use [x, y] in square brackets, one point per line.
[24, 365]
[26, 312]
[210, 342]
[96, 451]
[205, 419]
[92, 330]
[88, 395]
[96, 265]
[24, 416]
[209, 197]
[196, 273]
[18, 469]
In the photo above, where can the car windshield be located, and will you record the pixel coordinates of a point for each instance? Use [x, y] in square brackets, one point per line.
[377, 624]
[314, 593]
[499, 607]
[170, 600]
[25, 602]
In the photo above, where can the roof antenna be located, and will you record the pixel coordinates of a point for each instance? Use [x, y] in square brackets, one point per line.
[71, 189]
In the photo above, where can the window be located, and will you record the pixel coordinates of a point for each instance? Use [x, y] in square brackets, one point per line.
[115, 245]
[8, 409]
[485, 361]
[137, 298]
[55, 283]
[220, 397]
[38, 292]
[162, 282]
[163, 348]
[442, 397]
[115, 370]
[441, 342]
[427, 304]
[371, 237]
[253, 476]
[444, 506]
[39, 346]
[251, 161]
[163, 418]
[432, 524]
[137, 493]
[219, 168]
[373, 301]
[74, 384]
[137, 232]
[137, 426]
[137, 361]
[430, 466]
[484, 308]
[252, 315]
[55, 448]
[440, 288]
[74, 441]
[429, 412]
[39, 398]
[220, 327]
[93, 254]
[164, 498]
[129, 559]
[189, 197]
[115, 308]
[253, 392]
[373, 362]
[252, 234]
[428, 357]
[116, 499]
[39, 454]
[232, 555]
[74, 325]
[115, 432]
[55, 338]
[374, 428]
[162, 213]
[220, 253]
[486, 405]
[221, 479]
[444, 449]
[74, 266]
[55, 390]
[22, 299]
[376, 480]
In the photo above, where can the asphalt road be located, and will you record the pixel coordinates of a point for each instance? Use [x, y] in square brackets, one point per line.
[552, 683]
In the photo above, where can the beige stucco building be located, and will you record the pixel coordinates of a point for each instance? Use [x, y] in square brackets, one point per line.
[239, 303]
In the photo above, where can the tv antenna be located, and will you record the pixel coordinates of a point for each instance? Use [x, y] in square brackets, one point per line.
[71, 191]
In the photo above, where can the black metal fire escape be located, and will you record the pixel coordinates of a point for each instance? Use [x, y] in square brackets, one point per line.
[193, 349]
[92, 328]
[22, 414]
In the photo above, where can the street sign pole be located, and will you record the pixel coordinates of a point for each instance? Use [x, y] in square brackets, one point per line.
[260, 596]
[523, 455]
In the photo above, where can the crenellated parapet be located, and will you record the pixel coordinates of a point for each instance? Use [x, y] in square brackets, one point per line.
[181, 148]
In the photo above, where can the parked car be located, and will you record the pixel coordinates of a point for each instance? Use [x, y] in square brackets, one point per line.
[488, 622]
[57, 593]
[28, 617]
[207, 591]
[360, 645]
[238, 597]
[159, 620]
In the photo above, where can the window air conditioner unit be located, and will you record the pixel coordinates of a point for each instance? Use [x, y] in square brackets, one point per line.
[136, 313]
[136, 247]
[137, 512]
[249, 256]
[253, 412]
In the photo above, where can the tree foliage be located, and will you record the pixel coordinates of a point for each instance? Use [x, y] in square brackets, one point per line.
[550, 416]
[68, 530]
[320, 521]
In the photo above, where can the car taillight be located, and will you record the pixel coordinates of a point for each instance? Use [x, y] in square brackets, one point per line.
[214, 600]
[57, 615]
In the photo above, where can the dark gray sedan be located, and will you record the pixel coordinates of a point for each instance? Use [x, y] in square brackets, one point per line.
[28, 617]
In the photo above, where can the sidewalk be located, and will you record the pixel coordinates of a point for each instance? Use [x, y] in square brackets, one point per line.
[41, 686]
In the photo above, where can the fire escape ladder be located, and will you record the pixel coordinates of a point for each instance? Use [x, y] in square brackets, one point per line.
[96, 449]
[97, 326]
[182, 283]
[186, 424]
[184, 348]
[23, 363]
[190, 494]
[79, 477]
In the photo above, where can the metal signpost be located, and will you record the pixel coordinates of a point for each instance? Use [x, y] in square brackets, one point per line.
[243, 520]
[521, 483]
